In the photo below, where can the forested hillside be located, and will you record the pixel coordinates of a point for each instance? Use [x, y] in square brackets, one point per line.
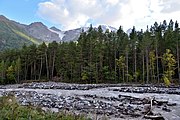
[150, 56]
[13, 35]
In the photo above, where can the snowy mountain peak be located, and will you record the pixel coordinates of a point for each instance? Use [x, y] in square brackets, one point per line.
[57, 31]
[129, 31]
[105, 27]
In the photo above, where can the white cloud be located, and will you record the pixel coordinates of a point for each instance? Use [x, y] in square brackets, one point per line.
[112, 2]
[128, 13]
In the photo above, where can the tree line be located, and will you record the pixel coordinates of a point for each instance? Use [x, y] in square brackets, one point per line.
[150, 56]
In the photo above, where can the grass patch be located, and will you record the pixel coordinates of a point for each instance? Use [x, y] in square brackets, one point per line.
[26, 37]
[11, 110]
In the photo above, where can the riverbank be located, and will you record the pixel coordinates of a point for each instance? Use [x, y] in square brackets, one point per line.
[97, 101]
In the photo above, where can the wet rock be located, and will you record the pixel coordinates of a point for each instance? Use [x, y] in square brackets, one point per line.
[154, 117]
[165, 108]
[161, 102]
[171, 104]
[120, 106]
[148, 89]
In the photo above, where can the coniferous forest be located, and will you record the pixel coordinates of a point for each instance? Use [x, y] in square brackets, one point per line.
[151, 56]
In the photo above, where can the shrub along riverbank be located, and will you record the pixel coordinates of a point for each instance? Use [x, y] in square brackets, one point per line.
[11, 110]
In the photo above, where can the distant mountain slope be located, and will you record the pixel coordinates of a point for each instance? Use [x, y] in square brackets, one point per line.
[57, 31]
[14, 34]
[39, 31]
[72, 35]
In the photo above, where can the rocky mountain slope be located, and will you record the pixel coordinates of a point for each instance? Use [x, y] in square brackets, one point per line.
[14, 34]
[40, 31]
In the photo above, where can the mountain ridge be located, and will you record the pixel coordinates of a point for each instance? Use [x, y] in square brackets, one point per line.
[13, 35]
[36, 33]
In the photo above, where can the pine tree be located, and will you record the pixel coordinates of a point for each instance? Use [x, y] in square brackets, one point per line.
[2, 71]
[177, 39]
[134, 41]
[169, 62]
[152, 59]
[10, 74]
[122, 65]
[18, 69]
[52, 50]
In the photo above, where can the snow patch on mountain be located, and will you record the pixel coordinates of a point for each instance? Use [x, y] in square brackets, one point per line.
[129, 31]
[105, 27]
[60, 33]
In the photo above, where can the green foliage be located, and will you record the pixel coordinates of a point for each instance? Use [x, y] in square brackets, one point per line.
[166, 80]
[12, 36]
[97, 56]
[152, 58]
[23, 35]
[11, 110]
[17, 69]
[107, 74]
[10, 73]
[84, 76]
[169, 63]
[2, 72]
[136, 74]
[130, 77]
[121, 62]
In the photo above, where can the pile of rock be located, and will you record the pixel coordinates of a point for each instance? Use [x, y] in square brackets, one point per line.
[64, 86]
[120, 107]
[147, 90]
[117, 87]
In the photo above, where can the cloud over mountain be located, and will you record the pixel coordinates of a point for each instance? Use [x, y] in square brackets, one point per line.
[71, 14]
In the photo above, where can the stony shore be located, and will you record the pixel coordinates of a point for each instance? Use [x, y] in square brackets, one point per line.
[97, 101]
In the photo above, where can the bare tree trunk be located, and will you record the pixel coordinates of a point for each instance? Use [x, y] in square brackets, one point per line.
[52, 72]
[115, 65]
[25, 71]
[34, 70]
[96, 72]
[3, 69]
[90, 61]
[143, 69]
[127, 67]
[31, 71]
[178, 61]
[123, 75]
[101, 63]
[135, 65]
[150, 72]
[72, 77]
[147, 66]
[157, 63]
[47, 67]
[40, 69]
[18, 72]
[154, 77]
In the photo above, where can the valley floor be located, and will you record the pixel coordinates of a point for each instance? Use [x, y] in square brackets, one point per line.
[97, 101]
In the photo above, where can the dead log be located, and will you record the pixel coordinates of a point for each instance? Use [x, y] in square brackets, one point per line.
[150, 115]
[154, 117]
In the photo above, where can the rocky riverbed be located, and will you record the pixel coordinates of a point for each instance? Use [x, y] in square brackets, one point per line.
[97, 101]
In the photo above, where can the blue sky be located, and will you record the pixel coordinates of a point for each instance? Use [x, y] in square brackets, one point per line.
[70, 14]
[23, 11]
